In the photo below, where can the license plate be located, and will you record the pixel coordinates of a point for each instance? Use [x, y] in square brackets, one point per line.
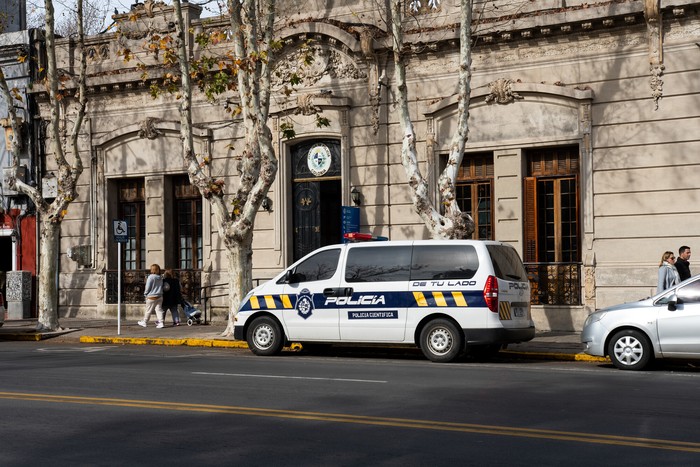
[519, 312]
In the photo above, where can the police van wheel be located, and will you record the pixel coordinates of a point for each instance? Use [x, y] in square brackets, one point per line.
[265, 337]
[441, 341]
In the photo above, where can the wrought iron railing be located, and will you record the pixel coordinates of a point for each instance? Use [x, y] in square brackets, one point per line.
[134, 281]
[554, 283]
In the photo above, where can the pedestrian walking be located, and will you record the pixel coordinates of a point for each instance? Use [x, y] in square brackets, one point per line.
[683, 263]
[172, 296]
[668, 275]
[154, 297]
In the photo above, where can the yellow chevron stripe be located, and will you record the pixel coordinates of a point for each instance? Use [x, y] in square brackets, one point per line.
[504, 310]
[459, 299]
[254, 302]
[439, 299]
[270, 302]
[285, 301]
[420, 299]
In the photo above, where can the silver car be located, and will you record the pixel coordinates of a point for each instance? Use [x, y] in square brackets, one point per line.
[666, 325]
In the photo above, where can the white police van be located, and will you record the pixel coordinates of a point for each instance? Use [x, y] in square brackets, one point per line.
[446, 296]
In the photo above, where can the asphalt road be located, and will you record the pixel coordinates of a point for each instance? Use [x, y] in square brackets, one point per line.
[124, 405]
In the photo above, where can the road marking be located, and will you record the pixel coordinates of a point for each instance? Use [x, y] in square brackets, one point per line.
[245, 375]
[72, 349]
[578, 437]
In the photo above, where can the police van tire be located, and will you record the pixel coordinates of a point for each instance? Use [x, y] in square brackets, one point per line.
[265, 337]
[441, 341]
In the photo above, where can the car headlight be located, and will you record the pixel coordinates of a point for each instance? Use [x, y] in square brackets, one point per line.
[593, 318]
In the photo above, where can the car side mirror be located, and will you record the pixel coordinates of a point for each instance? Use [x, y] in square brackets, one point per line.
[672, 301]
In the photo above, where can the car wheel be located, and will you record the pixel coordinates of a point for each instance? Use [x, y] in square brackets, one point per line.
[630, 350]
[441, 341]
[265, 336]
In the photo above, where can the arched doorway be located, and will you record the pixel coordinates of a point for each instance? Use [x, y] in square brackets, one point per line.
[316, 195]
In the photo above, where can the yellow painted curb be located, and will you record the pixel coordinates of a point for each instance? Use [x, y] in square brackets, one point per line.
[219, 343]
[31, 336]
[579, 357]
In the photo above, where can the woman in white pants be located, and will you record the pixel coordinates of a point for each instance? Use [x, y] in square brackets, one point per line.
[154, 297]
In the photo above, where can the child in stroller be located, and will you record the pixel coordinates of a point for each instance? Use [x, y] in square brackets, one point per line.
[192, 314]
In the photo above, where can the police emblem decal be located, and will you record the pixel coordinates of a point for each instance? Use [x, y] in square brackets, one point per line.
[305, 304]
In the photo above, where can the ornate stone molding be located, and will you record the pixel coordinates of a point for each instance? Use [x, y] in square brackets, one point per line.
[326, 63]
[147, 128]
[501, 92]
[654, 20]
[305, 105]
[150, 5]
[98, 52]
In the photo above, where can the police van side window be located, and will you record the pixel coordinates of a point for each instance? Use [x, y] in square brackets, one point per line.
[432, 262]
[506, 263]
[319, 267]
[378, 264]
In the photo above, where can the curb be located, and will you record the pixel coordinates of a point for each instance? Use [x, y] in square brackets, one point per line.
[578, 357]
[189, 342]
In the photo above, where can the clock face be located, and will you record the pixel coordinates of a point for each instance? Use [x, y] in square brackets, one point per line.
[319, 159]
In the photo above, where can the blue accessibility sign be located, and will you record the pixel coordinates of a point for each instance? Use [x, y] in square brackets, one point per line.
[121, 231]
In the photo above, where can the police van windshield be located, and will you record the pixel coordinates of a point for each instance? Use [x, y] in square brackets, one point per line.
[506, 263]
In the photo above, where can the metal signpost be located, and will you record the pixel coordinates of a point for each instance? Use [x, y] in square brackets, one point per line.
[121, 235]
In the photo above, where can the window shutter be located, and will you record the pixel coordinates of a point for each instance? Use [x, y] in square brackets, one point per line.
[530, 224]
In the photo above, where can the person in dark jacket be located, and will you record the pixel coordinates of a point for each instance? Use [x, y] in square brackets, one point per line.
[682, 263]
[172, 296]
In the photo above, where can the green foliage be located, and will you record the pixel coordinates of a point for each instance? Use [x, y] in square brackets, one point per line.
[322, 122]
[287, 129]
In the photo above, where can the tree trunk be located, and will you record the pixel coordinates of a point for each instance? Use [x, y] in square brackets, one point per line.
[453, 223]
[240, 281]
[48, 273]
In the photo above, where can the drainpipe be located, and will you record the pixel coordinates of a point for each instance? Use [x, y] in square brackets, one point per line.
[93, 188]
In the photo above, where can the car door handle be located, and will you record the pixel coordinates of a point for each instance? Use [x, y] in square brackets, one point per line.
[338, 292]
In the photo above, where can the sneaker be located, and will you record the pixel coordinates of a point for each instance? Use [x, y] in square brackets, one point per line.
[176, 323]
[159, 325]
[142, 324]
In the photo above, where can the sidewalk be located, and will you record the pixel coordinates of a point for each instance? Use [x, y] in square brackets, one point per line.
[564, 346]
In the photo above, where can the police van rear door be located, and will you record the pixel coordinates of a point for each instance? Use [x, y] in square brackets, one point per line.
[513, 286]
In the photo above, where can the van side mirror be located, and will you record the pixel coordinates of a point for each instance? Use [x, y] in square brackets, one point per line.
[291, 277]
[672, 301]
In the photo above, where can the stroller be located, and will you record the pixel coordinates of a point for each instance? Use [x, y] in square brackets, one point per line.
[193, 315]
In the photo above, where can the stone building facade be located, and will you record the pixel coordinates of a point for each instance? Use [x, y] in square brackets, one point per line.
[583, 133]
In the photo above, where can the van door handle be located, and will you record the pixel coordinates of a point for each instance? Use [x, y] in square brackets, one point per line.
[338, 292]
